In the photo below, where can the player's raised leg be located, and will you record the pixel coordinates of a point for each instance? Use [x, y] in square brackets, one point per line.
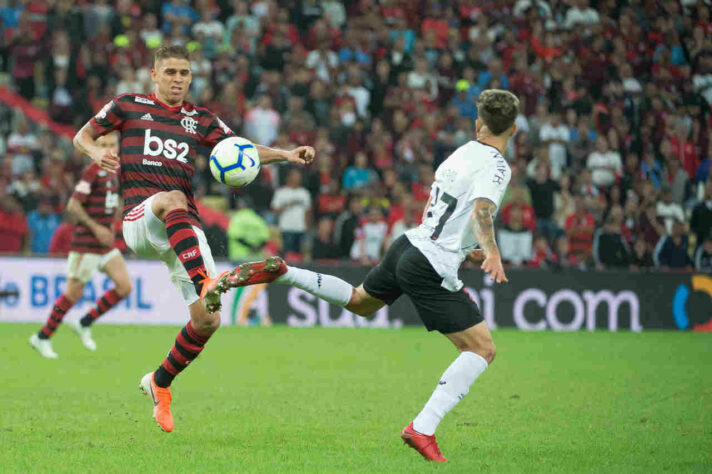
[477, 351]
[41, 340]
[189, 343]
[327, 287]
[115, 269]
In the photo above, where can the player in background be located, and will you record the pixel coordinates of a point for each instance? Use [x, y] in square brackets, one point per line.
[424, 263]
[160, 134]
[93, 205]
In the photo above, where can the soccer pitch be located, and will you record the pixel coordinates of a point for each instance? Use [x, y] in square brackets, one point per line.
[334, 400]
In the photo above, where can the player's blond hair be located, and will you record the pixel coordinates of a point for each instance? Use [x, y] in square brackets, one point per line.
[497, 109]
[176, 51]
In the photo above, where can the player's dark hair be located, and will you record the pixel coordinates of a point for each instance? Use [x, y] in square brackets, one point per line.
[497, 109]
[165, 52]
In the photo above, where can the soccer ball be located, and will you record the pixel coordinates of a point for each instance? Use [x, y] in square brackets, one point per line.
[235, 162]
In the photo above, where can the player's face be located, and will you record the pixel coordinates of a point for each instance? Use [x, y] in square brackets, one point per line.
[172, 77]
[110, 142]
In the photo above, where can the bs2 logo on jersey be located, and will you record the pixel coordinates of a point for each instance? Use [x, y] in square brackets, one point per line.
[155, 146]
[679, 304]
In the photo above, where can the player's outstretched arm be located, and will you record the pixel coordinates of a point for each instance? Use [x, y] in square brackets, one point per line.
[484, 232]
[85, 142]
[302, 155]
[102, 233]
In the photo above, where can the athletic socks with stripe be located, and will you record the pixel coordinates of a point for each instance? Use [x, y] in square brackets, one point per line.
[184, 241]
[103, 304]
[189, 343]
[59, 309]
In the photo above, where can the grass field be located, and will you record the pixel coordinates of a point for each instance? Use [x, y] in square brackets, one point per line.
[332, 400]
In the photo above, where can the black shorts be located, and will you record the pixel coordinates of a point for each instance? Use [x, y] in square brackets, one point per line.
[405, 269]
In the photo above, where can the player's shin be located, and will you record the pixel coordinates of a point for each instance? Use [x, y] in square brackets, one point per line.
[189, 343]
[327, 287]
[59, 309]
[184, 241]
[453, 386]
[108, 300]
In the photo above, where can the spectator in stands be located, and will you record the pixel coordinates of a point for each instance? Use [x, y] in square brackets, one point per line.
[21, 145]
[324, 247]
[292, 203]
[178, 14]
[519, 200]
[671, 252]
[346, 225]
[370, 237]
[555, 135]
[514, 239]
[676, 178]
[605, 164]
[13, 225]
[701, 220]
[247, 233]
[579, 229]
[407, 221]
[669, 211]
[42, 222]
[542, 256]
[703, 256]
[543, 189]
[641, 258]
[62, 237]
[360, 175]
[262, 122]
[609, 247]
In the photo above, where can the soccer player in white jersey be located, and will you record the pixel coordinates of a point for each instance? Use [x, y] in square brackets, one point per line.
[424, 263]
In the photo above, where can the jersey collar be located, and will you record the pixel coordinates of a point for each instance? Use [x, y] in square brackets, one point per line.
[175, 108]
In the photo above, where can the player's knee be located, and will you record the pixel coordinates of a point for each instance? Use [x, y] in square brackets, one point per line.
[73, 295]
[486, 350]
[123, 289]
[207, 325]
[176, 200]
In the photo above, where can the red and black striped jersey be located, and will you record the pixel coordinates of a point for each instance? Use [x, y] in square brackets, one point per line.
[158, 145]
[98, 191]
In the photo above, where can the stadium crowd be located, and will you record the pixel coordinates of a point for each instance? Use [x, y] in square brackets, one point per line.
[611, 160]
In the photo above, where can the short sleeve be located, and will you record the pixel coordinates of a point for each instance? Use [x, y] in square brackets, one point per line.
[277, 199]
[111, 117]
[83, 188]
[491, 182]
[216, 132]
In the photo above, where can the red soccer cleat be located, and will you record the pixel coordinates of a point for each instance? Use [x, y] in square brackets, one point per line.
[266, 271]
[424, 444]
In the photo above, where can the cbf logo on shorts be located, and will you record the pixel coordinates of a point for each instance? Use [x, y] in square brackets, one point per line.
[155, 146]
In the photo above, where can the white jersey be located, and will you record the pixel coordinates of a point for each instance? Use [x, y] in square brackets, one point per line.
[446, 236]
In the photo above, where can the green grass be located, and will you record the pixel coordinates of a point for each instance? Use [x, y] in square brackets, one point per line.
[333, 400]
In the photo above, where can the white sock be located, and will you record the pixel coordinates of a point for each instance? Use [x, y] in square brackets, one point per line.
[327, 287]
[452, 387]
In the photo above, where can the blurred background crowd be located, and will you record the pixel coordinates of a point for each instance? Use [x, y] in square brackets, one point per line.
[611, 160]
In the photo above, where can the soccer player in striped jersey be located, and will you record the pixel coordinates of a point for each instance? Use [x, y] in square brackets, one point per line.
[159, 137]
[94, 205]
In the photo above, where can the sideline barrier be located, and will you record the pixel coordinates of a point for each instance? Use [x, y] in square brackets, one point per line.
[532, 300]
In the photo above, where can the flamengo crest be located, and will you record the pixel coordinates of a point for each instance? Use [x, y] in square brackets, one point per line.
[189, 124]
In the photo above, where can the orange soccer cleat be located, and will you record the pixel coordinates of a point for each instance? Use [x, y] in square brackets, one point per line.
[266, 271]
[424, 444]
[214, 287]
[161, 398]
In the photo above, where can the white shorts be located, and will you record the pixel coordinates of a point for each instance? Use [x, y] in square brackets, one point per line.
[81, 266]
[145, 234]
